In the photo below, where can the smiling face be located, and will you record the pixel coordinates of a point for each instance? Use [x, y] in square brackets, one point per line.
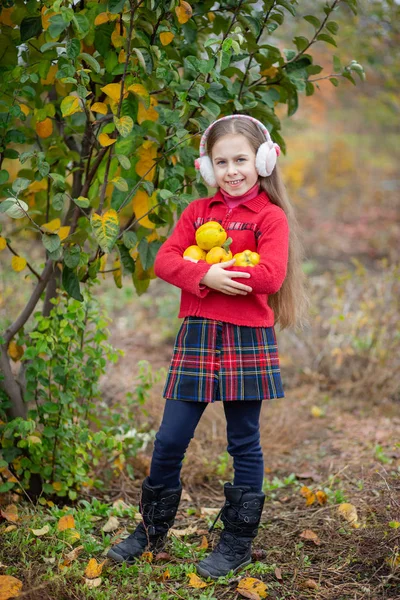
[233, 160]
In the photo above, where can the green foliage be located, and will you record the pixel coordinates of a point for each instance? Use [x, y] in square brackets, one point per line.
[70, 432]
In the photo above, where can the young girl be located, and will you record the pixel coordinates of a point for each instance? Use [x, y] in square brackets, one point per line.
[226, 347]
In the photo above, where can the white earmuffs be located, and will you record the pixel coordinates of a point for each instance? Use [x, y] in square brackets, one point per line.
[266, 155]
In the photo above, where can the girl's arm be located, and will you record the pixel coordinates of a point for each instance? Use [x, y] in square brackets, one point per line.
[170, 264]
[273, 247]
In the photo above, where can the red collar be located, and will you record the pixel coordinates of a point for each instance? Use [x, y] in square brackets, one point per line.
[256, 204]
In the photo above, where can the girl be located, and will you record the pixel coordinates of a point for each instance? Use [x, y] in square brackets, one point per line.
[226, 347]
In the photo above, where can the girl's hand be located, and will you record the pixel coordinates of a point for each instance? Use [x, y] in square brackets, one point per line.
[219, 279]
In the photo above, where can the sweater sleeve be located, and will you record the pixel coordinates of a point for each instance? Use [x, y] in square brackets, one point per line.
[170, 264]
[273, 247]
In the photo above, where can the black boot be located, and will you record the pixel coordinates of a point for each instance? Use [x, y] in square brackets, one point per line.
[158, 506]
[241, 516]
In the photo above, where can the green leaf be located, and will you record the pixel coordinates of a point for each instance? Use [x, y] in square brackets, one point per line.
[130, 239]
[323, 37]
[124, 161]
[3, 176]
[106, 230]
[301, 42]
[8, 52]
[58, 201]
[141, 285]
[92, 62]
[126, 259]
[332, 27]
[293, 102]
[116, 6]
[337, 65]
[309, 88]
[124, 125]
[6, 487]
[147, 252]
[120, 183]
[71, 283]
[73, 48]
[288, 6]
[72, 256]
[82, 202]
[20, 184]
[334, 81]
[349, 77]
[57, 26]
[30, 27]
[51, 241]
[82, 24]
[313, 20]
[102, 37]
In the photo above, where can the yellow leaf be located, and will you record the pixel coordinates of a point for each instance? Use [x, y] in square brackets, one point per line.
[18, 263]
[103, 263]
[183, 12]
[316, 411]
[105, 140]
[117, 273]
[44, 128]
[5, 17]
[149, 114]
[70, 105]
[118, 39]
[147, 556]
[139, 90]
[270, 72]
[93, 568]
[122, 56]
[106, 229]
[72, 536]
[104, 17]
[25, 109]
[66, 522]
[34, 439]
[51, 75]
[311, 499]
[42, 531]
[113, 91]
[3, 243]
[99, 107]
[10, 587]
[52, 226]
[10, 528]
[195, 581]
[349, 512]
[57, 486]
[46, 16]
[147, 154]
[211, 16]
[63, 232]
[321, 497]
[141, 204]
[124, 125]
[166, 575]
[250, 584]
[93, 583]
[15, 351]
[166, 37]
[204, 544]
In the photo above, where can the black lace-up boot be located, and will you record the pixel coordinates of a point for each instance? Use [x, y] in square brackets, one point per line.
[241, 516]
[158, 506]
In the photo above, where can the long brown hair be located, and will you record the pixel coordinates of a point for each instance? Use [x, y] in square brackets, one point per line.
[290, 303]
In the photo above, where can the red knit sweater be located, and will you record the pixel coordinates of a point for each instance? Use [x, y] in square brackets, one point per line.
[258, 225]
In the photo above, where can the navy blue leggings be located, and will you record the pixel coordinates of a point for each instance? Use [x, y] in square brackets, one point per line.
[177, 428]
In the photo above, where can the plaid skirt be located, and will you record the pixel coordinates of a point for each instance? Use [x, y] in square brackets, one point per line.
[213, 360]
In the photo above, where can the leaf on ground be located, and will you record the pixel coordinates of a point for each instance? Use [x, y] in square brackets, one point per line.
[209, 512]
[278, 573]
[111, 525]
[321, 497]
[349, 513]
[49, 560]
[10, 513]
[42, 531]
[147, 557]
[186, 496]
[120, 504]
[166, 575]
[182, 532]
[73, 555]
[310, 584]
[10, 528]
[310, 536]
[66, 522]
[259, 554]
[94, 569]
[252, 586]
[195, 581]
[204, 544]
[93, 583]
[162, 556]
[10, 587]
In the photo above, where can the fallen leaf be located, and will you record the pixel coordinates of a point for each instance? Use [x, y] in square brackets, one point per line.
[166, 575]
[162, 556]
[195, 581]
[73, 555]
[10, 513]
[186, 496]
[10, 587]
[40, 532]
[310, 536]
[349, 512]
[183, 532]
[94, 569]
[278, 573]
[111, 525]
[72, 536]
[321, 497]
[250, 585]
[204, 544]
[316, 411]
[147, 557]
[93, 583]
[66, 522]
[259, 554]
[308, 475]
[309, 584]
[120, 504]
[10, 528]
[209, 512]
[49, 560]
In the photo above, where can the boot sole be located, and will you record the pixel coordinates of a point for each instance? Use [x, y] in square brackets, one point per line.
[204, 573]
[118, 558]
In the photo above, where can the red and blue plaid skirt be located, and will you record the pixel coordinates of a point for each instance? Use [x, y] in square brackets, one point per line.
[214, 360]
